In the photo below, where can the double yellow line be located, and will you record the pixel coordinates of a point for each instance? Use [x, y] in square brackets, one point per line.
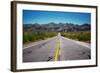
[57, 51]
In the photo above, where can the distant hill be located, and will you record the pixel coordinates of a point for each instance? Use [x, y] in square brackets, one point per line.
[60, 27]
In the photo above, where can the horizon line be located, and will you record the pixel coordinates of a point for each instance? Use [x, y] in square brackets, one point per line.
[54, 23]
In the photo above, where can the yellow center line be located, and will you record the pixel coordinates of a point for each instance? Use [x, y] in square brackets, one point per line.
[56, 55]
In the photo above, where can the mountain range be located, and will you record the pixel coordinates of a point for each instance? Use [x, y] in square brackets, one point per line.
[54, 27]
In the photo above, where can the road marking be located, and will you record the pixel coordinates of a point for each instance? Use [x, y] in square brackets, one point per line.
[56, 55]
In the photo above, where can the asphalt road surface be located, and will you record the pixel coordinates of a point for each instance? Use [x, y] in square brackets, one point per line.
[57, 48]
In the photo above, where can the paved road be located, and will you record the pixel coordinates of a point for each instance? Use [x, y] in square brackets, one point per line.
[57, 48]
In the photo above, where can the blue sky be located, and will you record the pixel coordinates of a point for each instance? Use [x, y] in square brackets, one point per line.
[44, 17]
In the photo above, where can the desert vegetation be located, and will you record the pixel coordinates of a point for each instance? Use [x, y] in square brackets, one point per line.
[36, 36]
[81, 36]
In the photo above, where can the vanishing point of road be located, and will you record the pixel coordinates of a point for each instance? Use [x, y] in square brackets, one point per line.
[57, 48]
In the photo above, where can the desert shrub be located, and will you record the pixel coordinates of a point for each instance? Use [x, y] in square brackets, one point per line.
[81, 36]
[35, 36]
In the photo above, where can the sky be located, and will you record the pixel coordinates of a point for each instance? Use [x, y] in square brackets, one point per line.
[44, 17]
